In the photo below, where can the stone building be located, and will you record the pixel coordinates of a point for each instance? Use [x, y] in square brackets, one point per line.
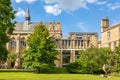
[70, 46]
[110, 35]
[67, 46]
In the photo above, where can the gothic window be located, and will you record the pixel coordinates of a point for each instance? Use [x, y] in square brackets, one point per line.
[65, 42]
[81, 42]
[62, 42]
[68, 43]
[23, 43]
[108, 35]
[13, 44]
[57, 43]
[78, 42]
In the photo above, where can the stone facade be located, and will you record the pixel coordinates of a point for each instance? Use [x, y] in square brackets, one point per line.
[67, 46]
[110, 35]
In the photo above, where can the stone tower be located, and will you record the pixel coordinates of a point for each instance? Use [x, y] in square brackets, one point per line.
[104, 24]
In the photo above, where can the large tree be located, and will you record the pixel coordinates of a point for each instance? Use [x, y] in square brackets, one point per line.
[41, 52]
[7, 24]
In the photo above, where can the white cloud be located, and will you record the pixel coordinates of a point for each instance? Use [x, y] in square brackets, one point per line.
[101, 3]
[69, 5]
[29, 1]
[50, 1]
[20, 13]
[72, 5]
[55, 10]
[82, 27]
[63, 5]
[114, 6]
[92, 1]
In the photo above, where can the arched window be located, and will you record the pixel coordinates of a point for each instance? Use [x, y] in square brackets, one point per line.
[108, 35]
[12, 44]
[23, 43]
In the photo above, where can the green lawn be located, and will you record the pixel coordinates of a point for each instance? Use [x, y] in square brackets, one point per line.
[33, 76]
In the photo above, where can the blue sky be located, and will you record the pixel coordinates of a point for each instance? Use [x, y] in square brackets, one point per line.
[75, 15]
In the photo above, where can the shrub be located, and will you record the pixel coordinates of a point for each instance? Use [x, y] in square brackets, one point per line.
[53, 70]
[91, 61]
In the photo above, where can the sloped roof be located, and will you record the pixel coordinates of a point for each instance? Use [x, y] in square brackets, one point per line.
[25, 27]
[83, 33]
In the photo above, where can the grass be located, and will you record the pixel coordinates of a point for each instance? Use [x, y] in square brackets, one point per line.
[33, 76]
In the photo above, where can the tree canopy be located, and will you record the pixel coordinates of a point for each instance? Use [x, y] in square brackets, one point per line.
[7, 25]
[41, 52]
[92, 60]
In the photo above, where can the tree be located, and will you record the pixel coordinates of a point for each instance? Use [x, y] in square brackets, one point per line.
[41, 53]
[92, 60]
[7, 24]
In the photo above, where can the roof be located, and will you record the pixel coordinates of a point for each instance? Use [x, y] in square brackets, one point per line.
[83, 33]
[25, 27]
[29, 26]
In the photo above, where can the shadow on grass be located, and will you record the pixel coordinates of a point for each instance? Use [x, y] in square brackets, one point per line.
[44, 71]
[6, 79]
[15, 70]
[52, 71]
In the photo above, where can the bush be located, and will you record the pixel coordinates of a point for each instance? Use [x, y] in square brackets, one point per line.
[80, 68]
[91, 61]
[74, 67]
[53, 70]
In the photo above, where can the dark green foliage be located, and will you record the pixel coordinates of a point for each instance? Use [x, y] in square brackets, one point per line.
[6, 26]
[117, 59]
[74, 67]
[3, 53]
[78, 68]
[91, 61]
[41, 53]
[53, 70]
